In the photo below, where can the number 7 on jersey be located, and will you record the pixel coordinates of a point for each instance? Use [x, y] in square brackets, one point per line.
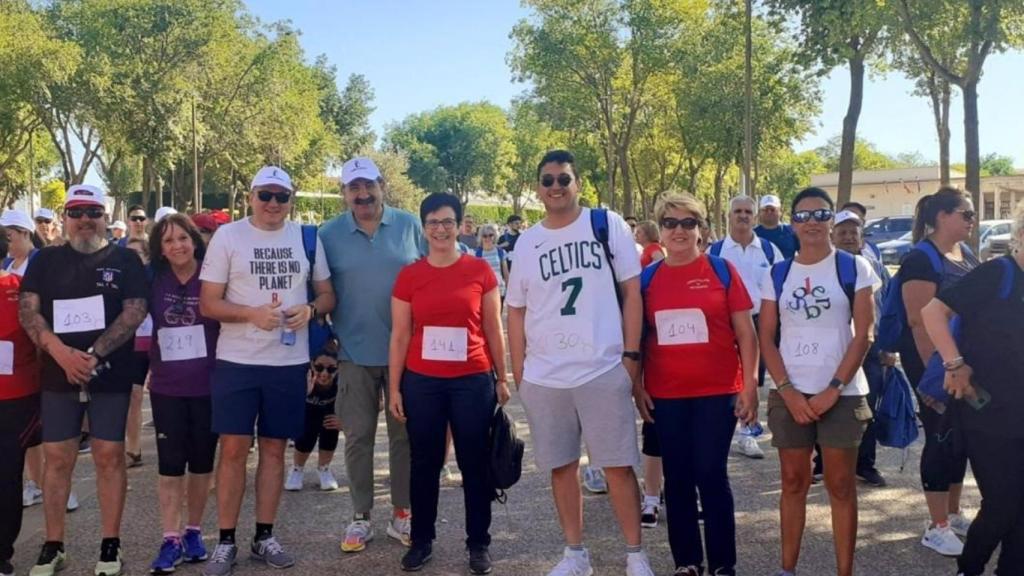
[574, 286]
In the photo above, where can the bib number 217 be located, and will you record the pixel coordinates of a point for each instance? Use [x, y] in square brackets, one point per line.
[573, 286]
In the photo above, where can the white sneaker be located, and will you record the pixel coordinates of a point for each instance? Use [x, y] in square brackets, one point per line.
[400, 528]
[959, 524]
[594, 480]
[327, 479]
[942, 540]
[31, 494]
[649, 513]
[747, 445]
[451, 476]
[72, 501]
[294, 481]
[637, 564]
[573, 564]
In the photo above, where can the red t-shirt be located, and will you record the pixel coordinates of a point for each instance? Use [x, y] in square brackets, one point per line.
[447, 305]
[690, 347]
[647, 256]
[17, 351]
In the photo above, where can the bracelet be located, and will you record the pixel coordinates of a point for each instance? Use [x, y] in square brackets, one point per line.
[785, 384]
[312, 311]
[954, 364]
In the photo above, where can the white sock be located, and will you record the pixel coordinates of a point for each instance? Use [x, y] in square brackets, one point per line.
[651, 500]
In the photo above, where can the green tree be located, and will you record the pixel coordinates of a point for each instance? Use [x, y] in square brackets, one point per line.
[52, 194]
[865, 156]
[995, 165]
[532, 136]
[346, 112]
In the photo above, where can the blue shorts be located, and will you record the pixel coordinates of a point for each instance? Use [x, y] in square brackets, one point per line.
[273, 397]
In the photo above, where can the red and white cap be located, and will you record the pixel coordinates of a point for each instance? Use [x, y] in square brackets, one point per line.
[85, 195]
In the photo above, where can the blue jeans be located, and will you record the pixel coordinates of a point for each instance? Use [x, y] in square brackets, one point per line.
[695, 436]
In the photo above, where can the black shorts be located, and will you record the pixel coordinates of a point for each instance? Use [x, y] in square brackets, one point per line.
[183, 435]
[63, 413]
[315, 432]
[650, 445]
[141, 368]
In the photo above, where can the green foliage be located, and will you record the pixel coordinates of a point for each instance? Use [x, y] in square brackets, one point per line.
[995, 165]
[52, 194]
[786, 172]
[865, 156]
[499, 214]
[532, 137]
[347, 113]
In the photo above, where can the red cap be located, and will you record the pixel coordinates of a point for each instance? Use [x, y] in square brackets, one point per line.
[205, 222]
[220, 216]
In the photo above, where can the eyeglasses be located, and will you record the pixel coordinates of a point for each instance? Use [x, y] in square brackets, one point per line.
[743, 211]
[281, 197]
[138, 218]
[43, 221]
[563, 180]
[93, 212]
[447, 224]
[318, 368]
[487, 235]
[673, 223]
[819, 215]
[967, 215]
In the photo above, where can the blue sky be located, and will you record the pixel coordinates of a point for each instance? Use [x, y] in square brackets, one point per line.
[419, 54]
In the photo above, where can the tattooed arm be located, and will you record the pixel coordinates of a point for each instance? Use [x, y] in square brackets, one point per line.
[77, 365]
[133, 314]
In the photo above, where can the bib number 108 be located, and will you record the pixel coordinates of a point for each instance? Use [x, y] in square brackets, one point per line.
[573, 286]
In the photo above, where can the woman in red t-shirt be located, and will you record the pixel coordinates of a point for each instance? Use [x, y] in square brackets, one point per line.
[647, 238]
[446, 347]
[700, 372]
[19, 409]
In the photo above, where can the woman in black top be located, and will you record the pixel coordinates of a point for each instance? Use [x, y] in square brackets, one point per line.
[322, 426]
[944, 221]
[986, 371]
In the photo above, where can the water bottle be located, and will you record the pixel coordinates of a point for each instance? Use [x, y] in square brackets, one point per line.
[287, 334]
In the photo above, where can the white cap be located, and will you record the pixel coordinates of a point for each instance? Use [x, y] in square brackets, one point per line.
[85, 194]
[272, 176]
[119, 225]
[163, 212]
[18, 219]
[848, 216]
[770, 200]
[360, 167]
[45, 213]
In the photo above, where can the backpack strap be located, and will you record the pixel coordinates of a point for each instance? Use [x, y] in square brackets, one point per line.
[6, 262]
[501, 255]
[599, 225]
[716, 248]
[779, 274]
[647, 275]
[480, 252]
[721, 268]
[769, 250]
[933, 256]
[1009, 275]
[846, 270]
[309, 247]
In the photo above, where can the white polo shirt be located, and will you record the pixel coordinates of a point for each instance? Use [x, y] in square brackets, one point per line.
[751, 263]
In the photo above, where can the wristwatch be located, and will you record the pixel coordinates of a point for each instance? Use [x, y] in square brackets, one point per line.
[837, 384]
[632, 355]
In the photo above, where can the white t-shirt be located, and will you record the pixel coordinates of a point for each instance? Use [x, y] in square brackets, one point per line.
[562, 278]
[257, 264]
[816, 324]
[751, 263]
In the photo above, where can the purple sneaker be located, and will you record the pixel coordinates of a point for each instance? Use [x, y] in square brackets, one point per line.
[195, 550]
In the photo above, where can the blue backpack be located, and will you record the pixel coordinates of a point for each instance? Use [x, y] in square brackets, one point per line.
[895, 419]
[766, 246]
[719, 265]
[599, 225]
[846, 270]
[320, 331]
[892, 324]
[480, 253]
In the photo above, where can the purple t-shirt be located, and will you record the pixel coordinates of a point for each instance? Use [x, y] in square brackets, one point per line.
[182, 335]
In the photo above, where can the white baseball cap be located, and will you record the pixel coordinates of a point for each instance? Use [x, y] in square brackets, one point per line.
[359, 167]
[17, 219]
[770, 200]
[272, 176]
[85, 195]
[163, 212]
[119, 225]
[45, 213]
[848, 216]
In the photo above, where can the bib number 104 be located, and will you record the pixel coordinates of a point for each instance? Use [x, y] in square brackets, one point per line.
[573, 286]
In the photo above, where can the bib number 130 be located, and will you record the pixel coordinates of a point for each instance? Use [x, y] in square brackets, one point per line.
[573, 286]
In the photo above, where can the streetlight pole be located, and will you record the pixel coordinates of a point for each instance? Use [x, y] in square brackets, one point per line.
[748, 111]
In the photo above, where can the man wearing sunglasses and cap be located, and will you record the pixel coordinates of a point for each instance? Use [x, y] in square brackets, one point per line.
[80, 304]
[366, 247]
[46, 225]
[773, 230]
[254, 282]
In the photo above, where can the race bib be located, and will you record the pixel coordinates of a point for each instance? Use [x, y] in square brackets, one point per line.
[145, 330]
[811, 347]
[79, 315]
[445, 344]
[6, 358]
[681, 326]
[182, 343]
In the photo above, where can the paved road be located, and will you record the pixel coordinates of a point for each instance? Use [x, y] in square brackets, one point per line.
[526, 537]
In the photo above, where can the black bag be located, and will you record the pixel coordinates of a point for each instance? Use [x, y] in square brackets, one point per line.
[506, 464]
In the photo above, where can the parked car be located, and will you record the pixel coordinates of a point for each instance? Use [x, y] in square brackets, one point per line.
[994, 238]
[880, 230]
[893, 251]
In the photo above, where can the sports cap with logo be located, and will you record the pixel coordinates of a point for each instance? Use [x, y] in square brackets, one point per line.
[360, 167]
[272, 176]
[85, 195]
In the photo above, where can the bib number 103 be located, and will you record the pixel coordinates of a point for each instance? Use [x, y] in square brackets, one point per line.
[573, 286]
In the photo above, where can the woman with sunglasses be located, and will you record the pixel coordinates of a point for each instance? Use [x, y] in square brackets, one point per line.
[22, 241]
[322, 425]
[182, 355]
[446, 347]
[496, 257]
[819, 391]
[944, 221]
[700, 371]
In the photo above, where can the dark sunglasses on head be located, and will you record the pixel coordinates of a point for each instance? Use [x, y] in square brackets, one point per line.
[43, 221]
[281, 197]
[318, 368]
[967, 215]
[819, 215]
[94, 212]
[563, 180]
[673, 223]
[138, 218]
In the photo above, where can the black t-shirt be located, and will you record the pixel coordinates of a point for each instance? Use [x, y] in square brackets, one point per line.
[69, 283]
[509, 238]
[321, 400]
[992, 343]
[917, 266]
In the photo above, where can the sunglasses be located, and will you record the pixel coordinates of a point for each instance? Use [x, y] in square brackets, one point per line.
[43, 221]
[93, 212]
[743, 211]
[673, 223]
[819, 215]
[487, 236]
[318, 368]
[967, 215]
[281, 197]
[138, 218]
[563, 180]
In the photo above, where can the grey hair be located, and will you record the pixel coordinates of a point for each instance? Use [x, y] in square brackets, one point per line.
[487, 228]
[738, 199]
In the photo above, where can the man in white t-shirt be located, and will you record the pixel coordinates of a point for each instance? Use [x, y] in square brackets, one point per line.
[575, 359]
[255, 283]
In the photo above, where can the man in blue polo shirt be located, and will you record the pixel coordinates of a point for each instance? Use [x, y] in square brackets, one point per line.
[773, 230]
[366, 247]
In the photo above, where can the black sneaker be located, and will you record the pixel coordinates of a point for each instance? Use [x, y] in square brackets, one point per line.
[479, 561]
[417, 557]
[872, 477]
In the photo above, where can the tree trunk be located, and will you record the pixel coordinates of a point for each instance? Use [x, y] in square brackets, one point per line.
[147, 181]
[715, 220]
[971, 148]
[627, 182]
[849, 137]
[946, 95]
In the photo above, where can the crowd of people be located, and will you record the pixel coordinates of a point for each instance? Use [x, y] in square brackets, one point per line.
[264, 331]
